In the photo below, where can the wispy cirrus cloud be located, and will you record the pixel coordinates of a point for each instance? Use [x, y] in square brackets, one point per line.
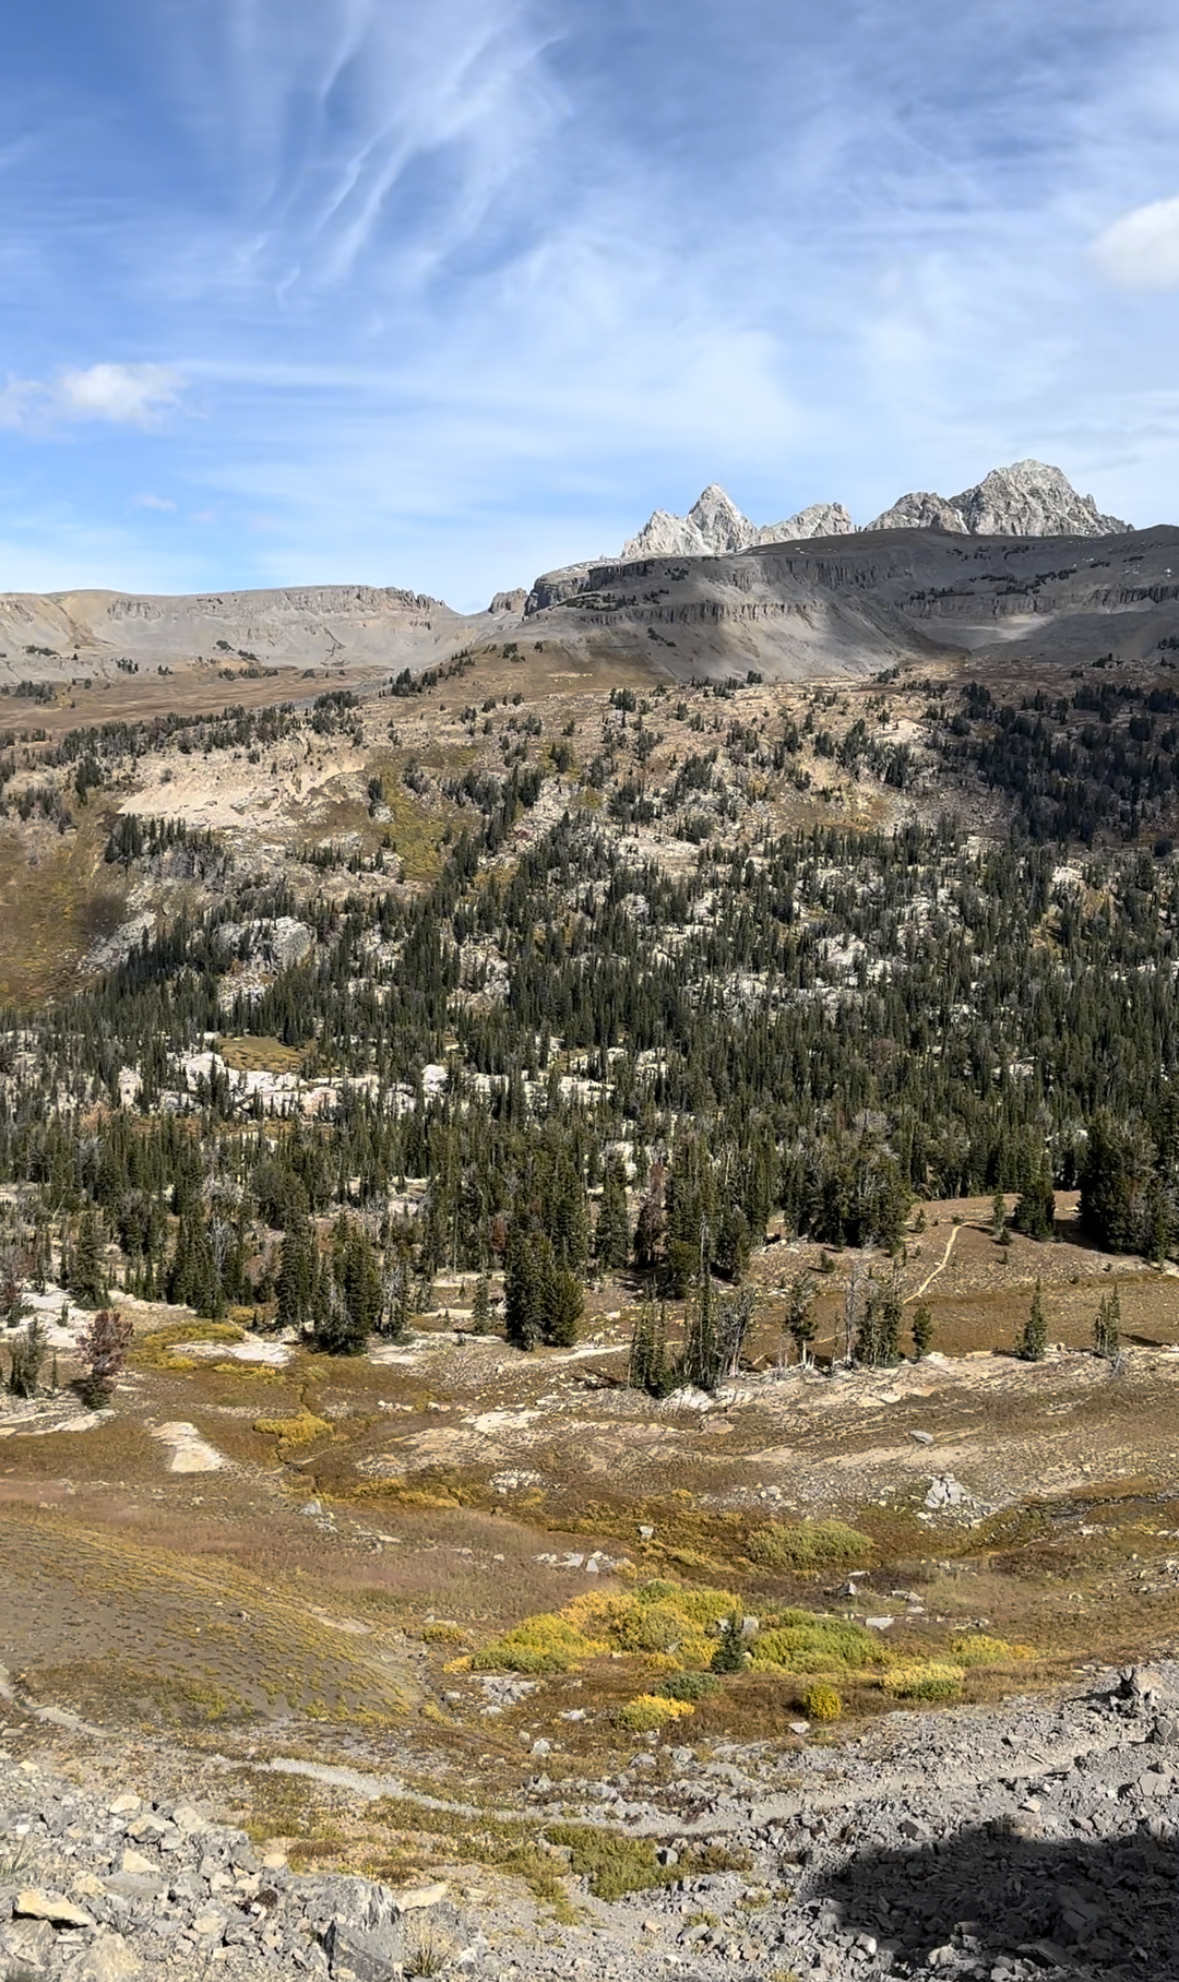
[518, 270]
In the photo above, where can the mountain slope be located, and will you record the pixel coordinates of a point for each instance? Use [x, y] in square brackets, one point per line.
[855, 605]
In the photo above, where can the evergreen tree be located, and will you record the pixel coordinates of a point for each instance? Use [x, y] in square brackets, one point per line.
[13, 1305]
[27, 1352]
[922, 1329]
[733, 1243]
[481, 1306]
[730, 1655]
[1117, 1175]
[298, 1279]
[1033, 1339]
[799, 1320]
[612, 1233]
[878, 1336]
[1035, 1208]
[648, 1368]
[1107, 1327]
[87, 1274]
[564, 1305]
[357, 1274]
[193, 1279]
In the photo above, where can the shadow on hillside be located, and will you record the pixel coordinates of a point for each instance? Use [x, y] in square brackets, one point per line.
[1102, 1907]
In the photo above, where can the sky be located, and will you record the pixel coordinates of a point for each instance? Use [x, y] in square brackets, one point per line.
[311, 291]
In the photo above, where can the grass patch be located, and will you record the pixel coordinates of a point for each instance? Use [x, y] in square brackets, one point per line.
[155, 1350]
[260, 1056]
[298, 1430]
[615, 1866]
[55, 903]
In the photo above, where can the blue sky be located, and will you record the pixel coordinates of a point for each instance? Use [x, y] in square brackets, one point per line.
[446, 295]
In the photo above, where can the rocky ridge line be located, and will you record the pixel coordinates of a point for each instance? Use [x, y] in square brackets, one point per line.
[1026, 499]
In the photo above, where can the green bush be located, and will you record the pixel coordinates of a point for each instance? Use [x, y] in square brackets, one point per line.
[690, 1686]
[808, 1545]
[799, 1641]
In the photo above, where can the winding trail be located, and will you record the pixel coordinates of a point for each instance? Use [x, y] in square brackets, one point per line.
[945, 1261]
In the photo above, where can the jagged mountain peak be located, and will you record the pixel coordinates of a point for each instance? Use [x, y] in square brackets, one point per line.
[714, 527]
[1025, 499]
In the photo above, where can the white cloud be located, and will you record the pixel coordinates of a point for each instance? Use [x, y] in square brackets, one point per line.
[122, 395]
[163, 503]
[1141, 249]
[130, 395]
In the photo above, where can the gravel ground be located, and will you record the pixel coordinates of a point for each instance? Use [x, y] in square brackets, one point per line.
[1036, 1839]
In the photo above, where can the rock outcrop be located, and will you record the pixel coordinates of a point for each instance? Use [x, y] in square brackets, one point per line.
[819, 519]
[920, 511]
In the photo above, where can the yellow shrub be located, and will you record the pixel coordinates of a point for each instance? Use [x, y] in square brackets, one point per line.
[978, 1649]
[695, 1603]
[821, 1703]
[546, 1643]
[652, 1711]
[936, 1680]
[459, 1665]
[442, 1633]
[660, 1620]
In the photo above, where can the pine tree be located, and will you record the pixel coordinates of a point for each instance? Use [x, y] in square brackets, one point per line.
[922, 1329]
[878, 1335]
[357, 1274]
[481, 1306]
[1033, 1340]
[564, 1303]
[1107, 1327]
[87, 1281]
[1035, 1209]
[526, 1263]
[729, 1655]
[298, 1276]
[27, 1351]
[612, 1233]
[648, 1368]
[999, 1215]
[799, 1320]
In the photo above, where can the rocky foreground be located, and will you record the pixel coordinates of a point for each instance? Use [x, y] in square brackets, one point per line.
[1034, 1840]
